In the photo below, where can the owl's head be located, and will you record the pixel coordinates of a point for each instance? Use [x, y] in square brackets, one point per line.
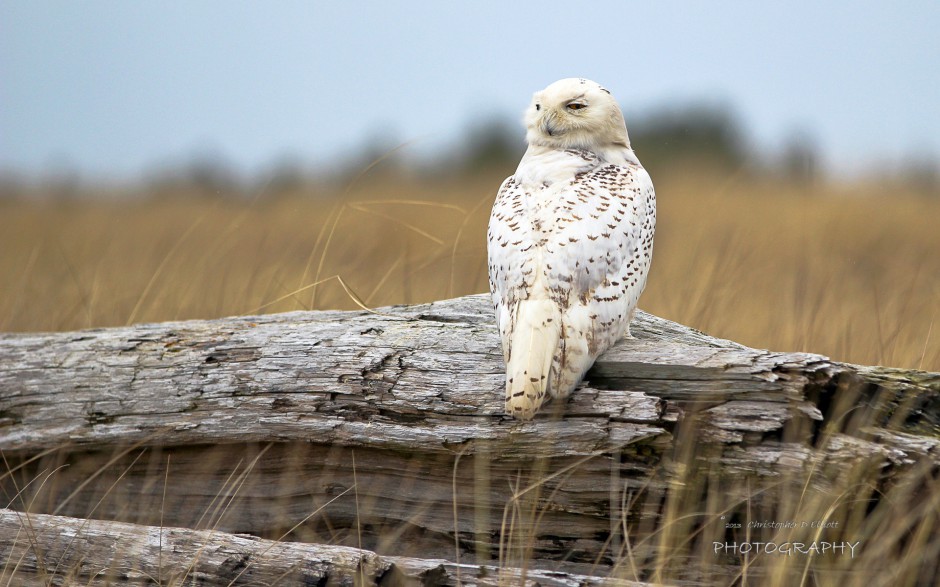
[575, 113]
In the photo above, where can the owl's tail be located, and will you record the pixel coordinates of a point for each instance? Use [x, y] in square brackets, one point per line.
[534, 339]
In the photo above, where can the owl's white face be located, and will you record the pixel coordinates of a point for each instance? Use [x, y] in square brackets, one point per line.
[575, 113]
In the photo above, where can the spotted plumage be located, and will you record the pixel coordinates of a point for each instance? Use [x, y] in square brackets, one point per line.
[570, 241]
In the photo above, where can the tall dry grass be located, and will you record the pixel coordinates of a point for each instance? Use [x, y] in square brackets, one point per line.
[848, 271]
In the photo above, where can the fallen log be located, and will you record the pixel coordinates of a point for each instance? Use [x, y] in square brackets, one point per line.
[108, 553]
[385, 431]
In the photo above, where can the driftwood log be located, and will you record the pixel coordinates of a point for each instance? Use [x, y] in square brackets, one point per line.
[92, 552]
[383, 433]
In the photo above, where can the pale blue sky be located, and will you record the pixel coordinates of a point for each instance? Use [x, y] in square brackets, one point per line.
[114, 88]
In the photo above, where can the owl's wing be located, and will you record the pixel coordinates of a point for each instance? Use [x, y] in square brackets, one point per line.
[514, 239]
[510, 256]
[597, 259]
[604, 236]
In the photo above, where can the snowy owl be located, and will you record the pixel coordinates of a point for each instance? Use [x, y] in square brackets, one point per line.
[570, 241]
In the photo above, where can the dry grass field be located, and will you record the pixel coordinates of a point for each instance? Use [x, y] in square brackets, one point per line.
[849, 272]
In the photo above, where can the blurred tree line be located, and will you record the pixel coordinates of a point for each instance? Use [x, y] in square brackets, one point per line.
[693, 139]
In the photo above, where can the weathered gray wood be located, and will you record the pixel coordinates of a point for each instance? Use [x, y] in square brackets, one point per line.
[365, 379]
[57, 550]
[387, 430]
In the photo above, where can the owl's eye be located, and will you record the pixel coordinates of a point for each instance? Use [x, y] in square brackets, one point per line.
[576, 106]
[538, 106]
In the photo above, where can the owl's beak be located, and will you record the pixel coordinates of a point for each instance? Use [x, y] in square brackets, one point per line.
[548, 128]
